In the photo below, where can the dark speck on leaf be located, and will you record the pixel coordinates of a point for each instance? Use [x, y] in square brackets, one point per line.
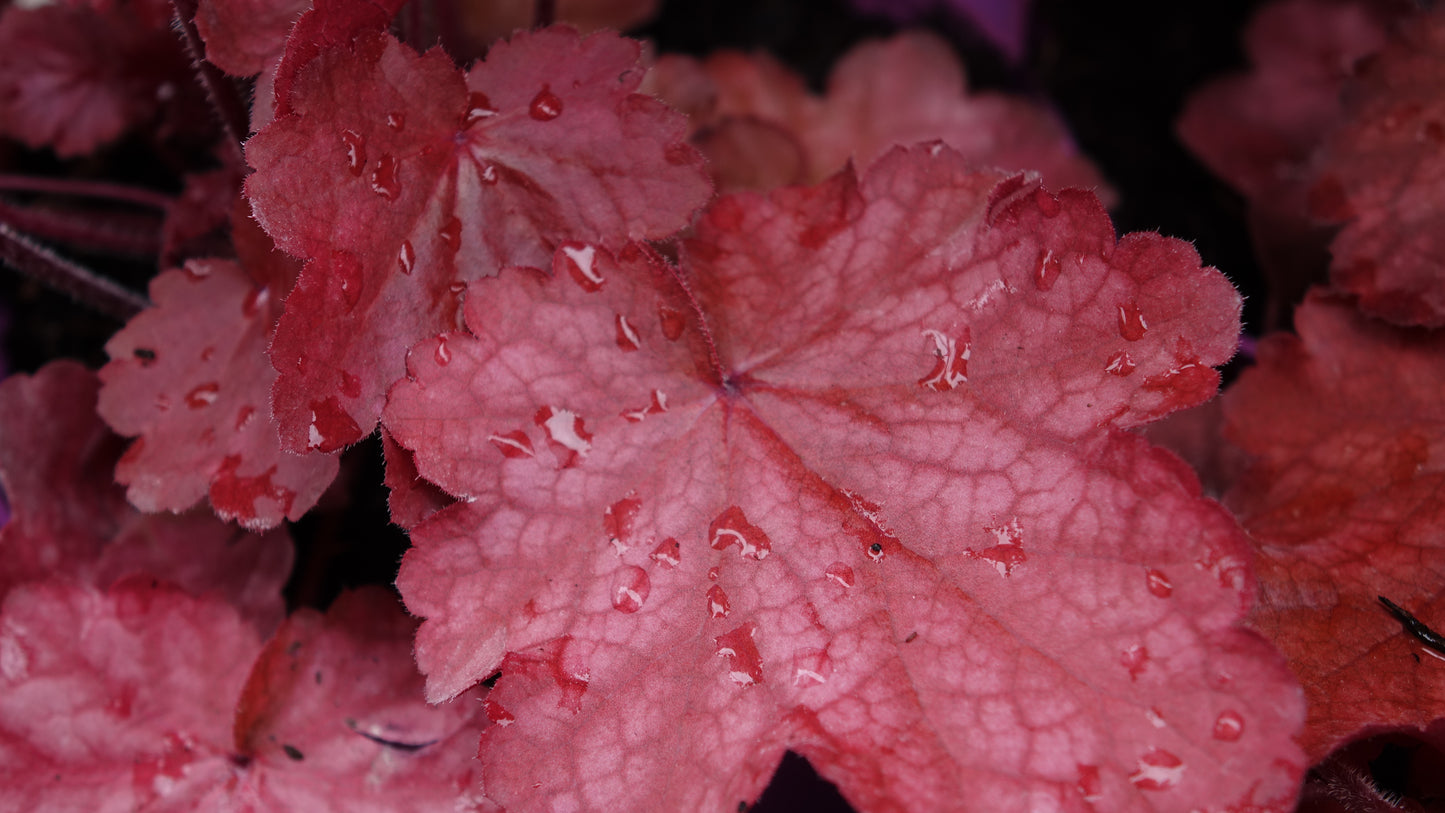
[911, 636]
[293, 648]
[876, 547]
[145, 354]
[293, 752]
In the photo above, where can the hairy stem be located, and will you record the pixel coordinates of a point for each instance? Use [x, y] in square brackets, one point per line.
[80, 283]
[86, 189]
[225, 101]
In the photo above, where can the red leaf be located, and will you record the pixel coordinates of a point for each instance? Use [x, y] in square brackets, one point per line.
[1382, 169]
[190, 376]
[327, 25]
[761, 128]
[840, 585]
[245, 37]
[400, 180]
[71, 520]
[1345, 504]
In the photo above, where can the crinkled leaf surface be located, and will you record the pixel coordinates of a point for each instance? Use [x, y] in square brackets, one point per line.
[190, 376]
[127, 700]
[70, 519]
[400, 179]
[898, 91]
[850, 484]
[1384, 170]
[1345, 505]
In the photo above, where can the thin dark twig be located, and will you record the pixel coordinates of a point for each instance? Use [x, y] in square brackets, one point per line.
[225, 101]
[87, 189]
[78, 282]
[134, 234]
[1415, 626]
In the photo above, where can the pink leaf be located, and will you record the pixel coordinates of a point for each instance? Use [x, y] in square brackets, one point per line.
[401, 179]
[1344, 501]
[911, 544]
[190, 376]
[71, 520]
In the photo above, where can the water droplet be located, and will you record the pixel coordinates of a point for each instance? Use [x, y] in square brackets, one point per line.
[618, 521]
[256, 299]
[197, 271]
[732, 527]
[1120, 364]
[331, 426]
[712, 573]
[950, 362]
[203, 396]
[545, 105]
[1134, 659]
[1047, 203]
[1159, 583]
[350, 385]
[478, 107]
[1155, 717]
[457, 287]
[513, 444]
[355, 150]
[630, 586]
[487, 173]
[580, 262]
[1131, 322]
[208, 353]
[565, 429]
[383, 178]
[668, 553]
[627, 338]
[1158, 770]
[673, 322]
[811, 667]
[443, 354]
[840, 573]
[497, 714]
[1048, 271]
[406, 257]
[396, 121]
[451, 234]
[718, 605]
[163, 402]
[243, 417]
[745, 665]
[1229, 726]
[1090, 786]
[1008, 554]
[656, 406]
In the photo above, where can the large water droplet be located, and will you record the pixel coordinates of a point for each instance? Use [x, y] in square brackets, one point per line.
[443, 354]
[656, 405]
[1090, 786]
[203, 395]
[498, 715]
[668, 553]
[840, 573]
[618, 520]
[1229, 726]
[673, 322]
[1158, 770]
[732, 527]
[1134, 659]
[1048, 270]
[1131, 322]
[1006, 556]
[1120, 364]
[950, 361]
[355, 146]
[630, 586]
[545, 105]
[383, 178]
[566, 431]
[718, 605]
[580, 262]
[478, 107]
[513, 444]
[745, 664]
[1159, 583]
[406, 257]
[627, 338]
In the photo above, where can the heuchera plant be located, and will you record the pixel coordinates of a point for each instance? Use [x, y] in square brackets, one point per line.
[844, 460]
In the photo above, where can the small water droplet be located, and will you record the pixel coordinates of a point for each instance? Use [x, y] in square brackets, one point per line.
[513, 444]
[255, 300]
[451, 234]
[668, 553]
[1229, 726]
[1090, 786]
[630, 586]
[243, 417]
[203, 395]
[619, 519]
[478, 107]
[498, 715]
[345, 278]
[1155, 717]
[396, 121]
[673, 322]
[718, 605]
[712, 573]
[383, 178]
[745, 665]
[197, 271]
[1159, 583]
[350, 385]
[442, 354]
[732, 527]
[580, 263]
[1158, 770]
[487, 173]
[1134, 659]
[1048, 271]
[566, 431]
[545, 105]
[656, 405]
[950, 361]
[1008, 554]
[1120, 364]
[355, 146]
[811, 667]
[208, 353]
[627, 338]
[1131, 322]
[457, 287]
[840, 573]
[406, 257]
